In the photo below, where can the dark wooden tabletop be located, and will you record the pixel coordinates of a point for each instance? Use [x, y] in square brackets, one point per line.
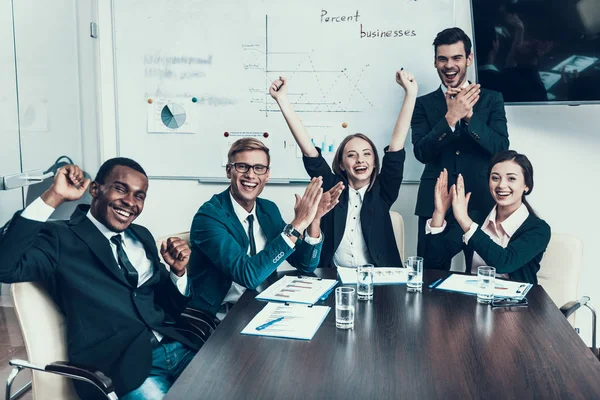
[426, 345]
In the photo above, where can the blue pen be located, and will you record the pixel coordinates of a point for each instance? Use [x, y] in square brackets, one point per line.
[326, 295]
[263, 326]
[434, 284]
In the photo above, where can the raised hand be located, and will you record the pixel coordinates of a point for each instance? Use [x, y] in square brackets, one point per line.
[408, 82]
[306, 206]
[460, 204]
[278, 89]
[329, 200]
[176, 253]
[69, 184]
[442, 198]
[460, 103]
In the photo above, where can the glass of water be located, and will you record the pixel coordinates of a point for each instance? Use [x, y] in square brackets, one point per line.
[364, 281]
[345, 299]
[414, 282]
[486, 279]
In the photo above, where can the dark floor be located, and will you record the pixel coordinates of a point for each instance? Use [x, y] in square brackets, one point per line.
[11, 346]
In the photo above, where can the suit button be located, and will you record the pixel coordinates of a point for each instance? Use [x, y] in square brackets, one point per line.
[458, 152]
[134, 294]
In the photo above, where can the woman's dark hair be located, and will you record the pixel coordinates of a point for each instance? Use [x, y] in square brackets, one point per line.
[526, 167]
[339, 155]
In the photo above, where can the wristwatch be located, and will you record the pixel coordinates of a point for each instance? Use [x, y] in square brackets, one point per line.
[289, 230]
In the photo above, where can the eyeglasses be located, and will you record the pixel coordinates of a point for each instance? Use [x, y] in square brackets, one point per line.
[510, 302]
[259, 169]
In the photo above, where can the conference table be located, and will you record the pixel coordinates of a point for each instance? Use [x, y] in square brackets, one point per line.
[428, 345]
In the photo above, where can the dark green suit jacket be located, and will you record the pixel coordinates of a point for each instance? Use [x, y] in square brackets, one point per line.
[467, 150]
[220, 245]
[520, 259]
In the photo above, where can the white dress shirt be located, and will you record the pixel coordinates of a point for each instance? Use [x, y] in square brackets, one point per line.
[352, 250]
[40, 211]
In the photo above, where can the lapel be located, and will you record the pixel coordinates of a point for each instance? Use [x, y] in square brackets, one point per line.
[86, 231]
[234, 222]
[266, 223]
[340, 213]
[366, 215]
[151, 252]
[439, 104]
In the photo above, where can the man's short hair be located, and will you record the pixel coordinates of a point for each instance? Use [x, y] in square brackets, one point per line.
[108, 166]
[247, 144]
[451, 36]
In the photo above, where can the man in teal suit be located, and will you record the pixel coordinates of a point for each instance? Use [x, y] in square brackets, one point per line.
[459, 126]
[238, 239]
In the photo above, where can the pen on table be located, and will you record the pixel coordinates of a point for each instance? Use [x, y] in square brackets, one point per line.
[326, 295]
[263, 326]
[434, 284]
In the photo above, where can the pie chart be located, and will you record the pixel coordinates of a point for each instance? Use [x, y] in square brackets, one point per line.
[173, 116]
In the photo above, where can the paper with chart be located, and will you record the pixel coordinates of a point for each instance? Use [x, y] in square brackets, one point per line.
[468, 284]
[299, 321]
[294, 289]
[381, 276]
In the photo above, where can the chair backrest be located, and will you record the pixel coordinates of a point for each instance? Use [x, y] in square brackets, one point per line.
[560, 268]
[398, 225]
[181, 235]
[44, 333]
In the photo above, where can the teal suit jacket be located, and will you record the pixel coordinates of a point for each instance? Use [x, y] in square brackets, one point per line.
[467, 150]
[220, 245]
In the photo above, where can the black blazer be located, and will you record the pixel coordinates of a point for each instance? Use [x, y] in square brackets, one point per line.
[467, 150]
[520, 259]
[107, 320]
[374, 215]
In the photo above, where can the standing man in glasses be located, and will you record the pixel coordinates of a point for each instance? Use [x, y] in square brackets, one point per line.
[239, 239]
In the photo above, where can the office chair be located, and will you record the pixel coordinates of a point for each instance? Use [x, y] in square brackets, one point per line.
[559, 275]
[398, 225]
[37, 312]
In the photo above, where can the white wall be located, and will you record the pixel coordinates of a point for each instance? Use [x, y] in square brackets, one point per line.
[561, 142]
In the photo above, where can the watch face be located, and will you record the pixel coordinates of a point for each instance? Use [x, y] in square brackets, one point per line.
[290, 230]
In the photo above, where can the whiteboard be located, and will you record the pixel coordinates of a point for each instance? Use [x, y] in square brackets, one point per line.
[191, 77]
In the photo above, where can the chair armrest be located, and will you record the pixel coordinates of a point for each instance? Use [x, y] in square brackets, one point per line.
[194, 316]
[81, 372]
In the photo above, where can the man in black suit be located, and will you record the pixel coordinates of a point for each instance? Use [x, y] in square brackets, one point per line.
[459, 126]
[121, 305]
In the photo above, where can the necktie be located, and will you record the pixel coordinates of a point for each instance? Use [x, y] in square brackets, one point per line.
[250, 220]
[128, 270]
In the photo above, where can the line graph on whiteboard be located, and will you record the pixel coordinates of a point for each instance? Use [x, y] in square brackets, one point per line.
[314, 88]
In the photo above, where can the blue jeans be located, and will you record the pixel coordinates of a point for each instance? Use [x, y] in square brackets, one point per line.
[168, 362]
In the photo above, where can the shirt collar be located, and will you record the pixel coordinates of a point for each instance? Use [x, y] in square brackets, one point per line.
[102, 228]
[510, 224]
[445, 89]
[361, 192]
[240, 211]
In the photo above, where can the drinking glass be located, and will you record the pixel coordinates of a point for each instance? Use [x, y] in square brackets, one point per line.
[345, 299]
[364, 281]
[486, 279]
